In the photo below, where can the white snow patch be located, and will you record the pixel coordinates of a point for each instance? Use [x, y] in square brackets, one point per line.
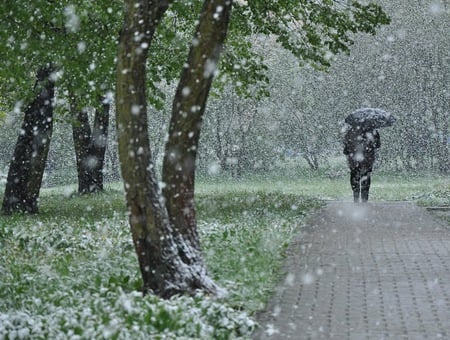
[140, 151]
[436, 8]
[214, 168]
[109, 97]
[186, 91]
[219, 10]
[135, 109]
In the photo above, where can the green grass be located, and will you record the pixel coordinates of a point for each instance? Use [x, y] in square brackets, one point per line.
[245, 237]
[72, 272]
[330, 187]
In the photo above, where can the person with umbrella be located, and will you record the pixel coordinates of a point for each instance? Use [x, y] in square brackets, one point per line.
[361, 142]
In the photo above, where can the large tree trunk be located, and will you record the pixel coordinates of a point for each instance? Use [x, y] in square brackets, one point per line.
[164, 257]
[90, 147]
[30, 155]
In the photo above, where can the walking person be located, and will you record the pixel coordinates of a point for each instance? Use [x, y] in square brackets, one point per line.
[361, 142]
[360, 145]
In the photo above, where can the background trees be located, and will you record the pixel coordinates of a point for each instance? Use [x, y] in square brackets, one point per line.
[73, 41]
[403, 69]
[77, 40]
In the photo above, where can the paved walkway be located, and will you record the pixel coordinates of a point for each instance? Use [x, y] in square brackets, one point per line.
[364, 271]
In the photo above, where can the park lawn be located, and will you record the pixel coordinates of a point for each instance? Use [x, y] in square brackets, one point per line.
[385, 187]
[71, 271]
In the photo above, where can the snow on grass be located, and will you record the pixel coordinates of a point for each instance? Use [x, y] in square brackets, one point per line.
[71, 272]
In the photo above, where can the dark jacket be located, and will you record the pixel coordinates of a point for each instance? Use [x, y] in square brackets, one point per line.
[360, 147]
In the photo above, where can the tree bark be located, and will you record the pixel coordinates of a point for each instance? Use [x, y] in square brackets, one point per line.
[164, 257]
[187, 116]
[90, 147]
[30, 155]
[148, 223]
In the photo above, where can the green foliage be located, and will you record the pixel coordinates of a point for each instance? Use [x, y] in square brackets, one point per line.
[86, 208]
[314, 30]
[76, 37]
[3, 113]
[243, 68]
[79, 38]
[247, 233]
[72, 270]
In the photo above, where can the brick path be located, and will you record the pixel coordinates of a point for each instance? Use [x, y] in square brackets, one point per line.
[374, 271]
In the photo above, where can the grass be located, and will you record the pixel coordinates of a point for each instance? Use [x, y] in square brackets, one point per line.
[71, 271]
[245, 236]
[329, 187]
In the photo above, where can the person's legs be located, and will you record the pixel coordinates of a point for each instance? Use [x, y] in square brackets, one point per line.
[365, 186]
[355, 183]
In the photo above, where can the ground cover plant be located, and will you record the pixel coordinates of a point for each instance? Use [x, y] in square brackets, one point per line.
[71, 271]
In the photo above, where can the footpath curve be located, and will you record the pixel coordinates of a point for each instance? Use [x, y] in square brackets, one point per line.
[379, 270]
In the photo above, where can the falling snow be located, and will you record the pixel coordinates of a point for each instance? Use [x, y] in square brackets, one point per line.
[294, 134]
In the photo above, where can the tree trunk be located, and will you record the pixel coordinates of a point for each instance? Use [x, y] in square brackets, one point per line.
[187, 115]
[164, 257]
[99, 143]
[30, 155]
[90, 147]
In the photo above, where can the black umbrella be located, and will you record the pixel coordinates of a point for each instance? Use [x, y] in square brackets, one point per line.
[370, 118]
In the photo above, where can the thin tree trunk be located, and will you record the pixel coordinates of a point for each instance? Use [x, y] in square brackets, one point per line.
[147, 220]
[90, 147]
[444, 165]
[187, 115]
[81, 133]
[30, 155]
[99, 143]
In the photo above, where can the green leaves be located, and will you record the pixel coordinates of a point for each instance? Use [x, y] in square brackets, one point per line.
[80, 37]
[314, 31]
[77, 37]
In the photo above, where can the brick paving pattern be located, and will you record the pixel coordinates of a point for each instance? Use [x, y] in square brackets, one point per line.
[368, 271]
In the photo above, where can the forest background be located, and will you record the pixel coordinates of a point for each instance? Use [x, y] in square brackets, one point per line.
[296, 130]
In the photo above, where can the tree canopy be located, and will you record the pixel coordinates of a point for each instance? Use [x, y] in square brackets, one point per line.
[79, 37]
